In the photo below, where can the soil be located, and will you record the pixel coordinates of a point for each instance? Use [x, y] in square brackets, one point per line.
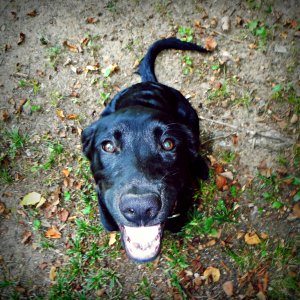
[69, 98]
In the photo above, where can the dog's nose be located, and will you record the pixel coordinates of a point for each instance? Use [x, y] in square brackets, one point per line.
[140, 209]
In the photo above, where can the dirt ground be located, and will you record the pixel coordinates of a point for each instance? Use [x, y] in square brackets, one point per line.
[61, 61]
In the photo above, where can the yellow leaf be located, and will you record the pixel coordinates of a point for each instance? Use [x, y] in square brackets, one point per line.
[31, 199]
[212, 272]
[52, 274]
[41, 202]
[251, 238]
[60, 114]
[112, 238]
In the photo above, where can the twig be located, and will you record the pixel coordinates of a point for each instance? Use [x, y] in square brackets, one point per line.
[251, 132]
[218, 138]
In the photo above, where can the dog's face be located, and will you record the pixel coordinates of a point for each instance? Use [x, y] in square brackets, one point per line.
[140, 158]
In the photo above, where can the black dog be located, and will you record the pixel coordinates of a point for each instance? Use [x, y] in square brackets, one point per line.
[144, 157]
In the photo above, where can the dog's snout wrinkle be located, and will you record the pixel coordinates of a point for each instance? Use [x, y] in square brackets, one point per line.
[140, 209]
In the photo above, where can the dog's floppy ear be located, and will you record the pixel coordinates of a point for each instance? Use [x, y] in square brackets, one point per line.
[87, 139]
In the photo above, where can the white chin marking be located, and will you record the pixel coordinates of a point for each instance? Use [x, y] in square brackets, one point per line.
[142, 243]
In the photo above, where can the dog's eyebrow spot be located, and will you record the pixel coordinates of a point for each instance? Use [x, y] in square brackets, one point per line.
[157, 132]
[117, 135]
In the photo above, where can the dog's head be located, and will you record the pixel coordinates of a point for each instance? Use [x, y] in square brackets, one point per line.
[140, 158]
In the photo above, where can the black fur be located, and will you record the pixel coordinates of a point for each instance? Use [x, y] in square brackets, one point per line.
[141, 173]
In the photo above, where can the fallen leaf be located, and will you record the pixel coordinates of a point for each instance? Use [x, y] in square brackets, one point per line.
[261, 296]
[197, 281]
[235, 139]
[84, 41]
[20, 108]
[112, 238]
[251, 238]
[53, 233]
[91, 20]
[227, 175]
[33, 13]
[2, 207]
[63, 215]
[210, 44]
[26, 236]
[264, 236]
[41, 202]
[7, 47]
[293, 23]
[284, 34]
[212, 272]
[20, 289]
[220, 182]
[218, 168]
[72, 117]
[228, 288]
[43, 265]
[21, 38]
[4, 116]
[252, 46]
[52, 274]
[296, 209]
[60, 114]
[66, 172]
[71, 47]
[95, 67]
[31, 199]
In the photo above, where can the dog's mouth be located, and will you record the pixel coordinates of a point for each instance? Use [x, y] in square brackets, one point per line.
[142, 244]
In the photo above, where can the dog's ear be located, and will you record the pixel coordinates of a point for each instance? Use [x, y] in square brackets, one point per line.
[87, 139]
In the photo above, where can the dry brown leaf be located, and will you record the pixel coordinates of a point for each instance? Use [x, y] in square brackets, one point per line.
[212, 272]
[71, 47]
[210, 44]
[251, 238]
[218, 168]
[296, 209]
[4, 116]
[63, 215]
[20, 108]
[52, 274]
[43, 265]
[53, 233]
[66, 172]
[72, 117]
[95, 67]
[21, 38]
[84, 41]
[2, 207]
[112, 238]
[91, 20]
[228, 288]
[252, 46]
[235, 139]
[221, 182]
[26, 236]
[264, 236]
[32, 13]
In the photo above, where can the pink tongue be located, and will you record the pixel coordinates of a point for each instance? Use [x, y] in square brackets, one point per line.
[142, 243]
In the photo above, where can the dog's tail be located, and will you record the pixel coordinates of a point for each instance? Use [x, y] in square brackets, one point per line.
[146, 67]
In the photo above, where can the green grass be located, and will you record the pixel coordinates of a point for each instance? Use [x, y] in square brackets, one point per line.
[187, 64]
[287, 94]
[16, 141]
[261, 32]
[186, 34]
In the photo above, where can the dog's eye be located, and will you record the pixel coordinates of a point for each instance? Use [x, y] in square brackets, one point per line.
[168, 144]
[109, 147]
